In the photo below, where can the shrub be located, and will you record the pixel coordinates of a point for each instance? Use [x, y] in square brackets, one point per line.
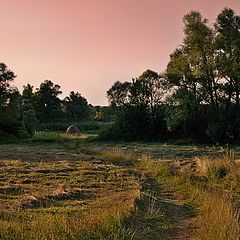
[23, 132]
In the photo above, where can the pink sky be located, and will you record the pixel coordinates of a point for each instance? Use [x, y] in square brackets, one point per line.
[87, 45]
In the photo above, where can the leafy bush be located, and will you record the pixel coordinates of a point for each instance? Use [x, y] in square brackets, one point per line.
[23, 132]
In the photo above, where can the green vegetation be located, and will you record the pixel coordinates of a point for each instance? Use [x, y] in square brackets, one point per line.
[42, 110]
[84, 126]
[196, 98]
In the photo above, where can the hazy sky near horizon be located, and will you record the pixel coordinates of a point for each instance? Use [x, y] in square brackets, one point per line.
[87, 45]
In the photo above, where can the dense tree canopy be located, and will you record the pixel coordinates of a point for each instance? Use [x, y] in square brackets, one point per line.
[47, 103]
[10, 102]
[198, 96]
[138, 106]
[76, 106]
[6, 76]
[205, 75]
[23, 114]
[28, 93]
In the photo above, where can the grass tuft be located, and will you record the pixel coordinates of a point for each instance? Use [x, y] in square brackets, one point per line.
[119, 157]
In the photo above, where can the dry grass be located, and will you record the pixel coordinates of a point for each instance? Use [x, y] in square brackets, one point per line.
[209, 189]
[101, 218]
[217, 220]
[120, 157]
[88, 191]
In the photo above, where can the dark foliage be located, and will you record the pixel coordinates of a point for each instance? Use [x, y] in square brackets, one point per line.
[197, 97]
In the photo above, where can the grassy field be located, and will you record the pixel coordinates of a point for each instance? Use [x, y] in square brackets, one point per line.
[59, 187]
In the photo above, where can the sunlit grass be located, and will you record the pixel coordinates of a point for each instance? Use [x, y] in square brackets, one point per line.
[216, 214]
[48, 193]
[120, 157]
[81, 190]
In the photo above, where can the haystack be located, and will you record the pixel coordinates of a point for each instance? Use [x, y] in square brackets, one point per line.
[73, 130]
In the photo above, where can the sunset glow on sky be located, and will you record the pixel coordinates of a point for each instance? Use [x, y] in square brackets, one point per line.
[87, 45]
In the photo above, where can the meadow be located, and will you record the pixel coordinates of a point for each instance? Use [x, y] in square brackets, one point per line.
[58, 186]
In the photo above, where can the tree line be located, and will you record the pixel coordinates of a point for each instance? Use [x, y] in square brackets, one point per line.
[196, 97]
[23, 113]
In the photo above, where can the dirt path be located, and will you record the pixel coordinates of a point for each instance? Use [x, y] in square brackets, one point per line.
[182, 219]
[159, 215]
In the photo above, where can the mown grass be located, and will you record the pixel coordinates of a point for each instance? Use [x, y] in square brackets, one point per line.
[48, 192]
[70, 188]
[65, 193]
[99, 222]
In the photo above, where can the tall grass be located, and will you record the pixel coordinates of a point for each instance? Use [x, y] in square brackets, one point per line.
[120, 157]
[209, 191]
[97, 225]
[218, 219]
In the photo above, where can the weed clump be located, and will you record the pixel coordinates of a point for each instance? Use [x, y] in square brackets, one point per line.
[218, 172]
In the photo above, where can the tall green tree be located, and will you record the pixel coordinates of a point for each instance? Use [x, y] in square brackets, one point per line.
[191, 74]
[139, 112]
[47, 103]
[228, 53]
[228, 63]
[10, 102]
[192, 65]
[118, 94]
[148, 90]
[76, 106]
[6, 77]
[204, 68]
[29, 117]
[28, 92]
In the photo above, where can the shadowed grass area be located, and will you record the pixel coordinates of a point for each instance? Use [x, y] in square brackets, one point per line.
[161, 151]
[51, 137]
